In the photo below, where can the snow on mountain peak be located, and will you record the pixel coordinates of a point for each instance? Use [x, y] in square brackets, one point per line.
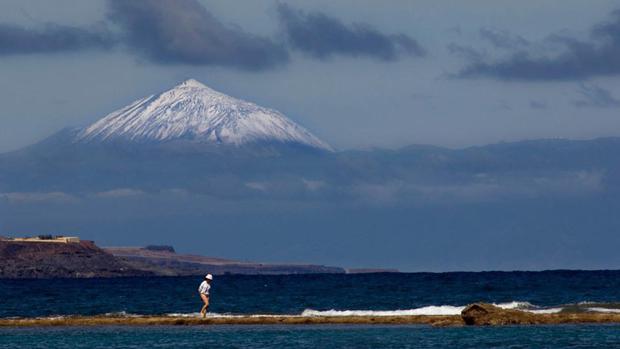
[193, 111]
[192, 83]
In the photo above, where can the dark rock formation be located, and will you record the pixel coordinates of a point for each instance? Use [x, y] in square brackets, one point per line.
[60, 260]
[483, 314]
[487, 314]
[163, 248]
[371, 270]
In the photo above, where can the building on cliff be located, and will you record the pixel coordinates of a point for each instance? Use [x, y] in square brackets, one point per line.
[47, 239]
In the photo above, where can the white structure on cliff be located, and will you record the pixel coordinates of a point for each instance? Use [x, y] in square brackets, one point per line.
[47, 238]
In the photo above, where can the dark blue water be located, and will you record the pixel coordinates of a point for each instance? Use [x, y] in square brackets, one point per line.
[314, 337]
[291, 294]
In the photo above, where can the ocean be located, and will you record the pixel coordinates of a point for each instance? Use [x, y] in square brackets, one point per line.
[335, 336]
[315, 295]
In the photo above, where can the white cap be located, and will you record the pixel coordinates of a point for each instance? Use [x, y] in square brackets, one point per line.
[209, 277]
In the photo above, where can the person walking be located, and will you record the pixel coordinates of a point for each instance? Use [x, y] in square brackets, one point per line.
[203, 290]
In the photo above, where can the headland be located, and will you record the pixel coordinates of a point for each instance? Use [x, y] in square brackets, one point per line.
[47, 256]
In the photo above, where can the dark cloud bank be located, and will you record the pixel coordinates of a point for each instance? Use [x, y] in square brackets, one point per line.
[322, 36]
[50, 38]
[598, 56]
[185, 32]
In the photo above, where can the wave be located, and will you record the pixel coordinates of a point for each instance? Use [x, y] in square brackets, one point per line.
[515, 305]
[529, 307]
[218, 315]
[188, 314]
[599, 307]
[427, 310]
[604, 310]
[430, 310]
[545, 311]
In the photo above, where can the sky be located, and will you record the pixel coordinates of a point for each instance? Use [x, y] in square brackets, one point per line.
[358, 74]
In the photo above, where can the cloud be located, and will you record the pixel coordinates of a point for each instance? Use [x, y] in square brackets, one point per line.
[466, 52]
[313, 185]
[51, 38]
[575, 59]
[503, 39]
[597, 97]
[538, 105]
[483, 188]
[321, 36]
[185, 32]
[119, 193]
[257, 186]
[39, 197]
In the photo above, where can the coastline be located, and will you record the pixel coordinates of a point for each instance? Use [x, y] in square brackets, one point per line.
[72, 258]
[478, 314]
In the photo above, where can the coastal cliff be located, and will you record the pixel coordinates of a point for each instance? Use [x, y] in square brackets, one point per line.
[62, 260]
[83, 259]
[164, 261]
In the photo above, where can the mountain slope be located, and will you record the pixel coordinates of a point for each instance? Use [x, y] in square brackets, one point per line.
[192, 111]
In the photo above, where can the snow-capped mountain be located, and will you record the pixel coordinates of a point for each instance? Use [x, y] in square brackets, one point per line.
[195, 112]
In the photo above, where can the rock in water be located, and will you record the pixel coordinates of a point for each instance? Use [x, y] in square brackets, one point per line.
[488, 314]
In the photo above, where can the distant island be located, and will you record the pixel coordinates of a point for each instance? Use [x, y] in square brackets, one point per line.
[47, 256]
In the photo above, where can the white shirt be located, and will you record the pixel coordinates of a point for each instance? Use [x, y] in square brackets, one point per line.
[204, 288]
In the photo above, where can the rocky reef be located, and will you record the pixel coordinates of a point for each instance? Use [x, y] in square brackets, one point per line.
[479, 314]
[483, 314]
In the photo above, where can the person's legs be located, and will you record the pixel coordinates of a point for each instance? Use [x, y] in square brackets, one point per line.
[205, 299]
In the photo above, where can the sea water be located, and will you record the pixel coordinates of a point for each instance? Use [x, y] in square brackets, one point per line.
[314, 336]
[315, 295]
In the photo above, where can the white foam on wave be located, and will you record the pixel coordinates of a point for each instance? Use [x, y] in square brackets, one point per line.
[529, 307]
[217, 315]
[604, 310]
[187, 314]
[515, 305]
[429, 310]
[600, 307]
[57, 317]
[426, 310]
[209, 315]
[544, 311]
[437, 310]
